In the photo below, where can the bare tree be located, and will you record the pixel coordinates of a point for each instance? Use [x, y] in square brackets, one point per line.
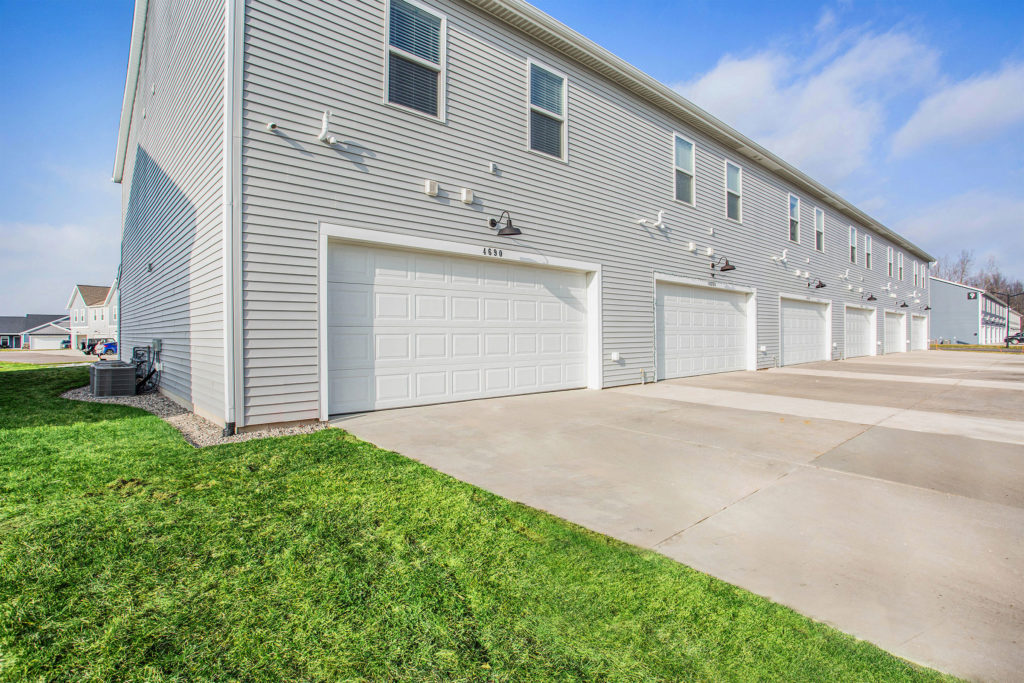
[955, 269]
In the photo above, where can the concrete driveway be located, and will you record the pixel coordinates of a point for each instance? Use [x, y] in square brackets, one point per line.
[884, 496]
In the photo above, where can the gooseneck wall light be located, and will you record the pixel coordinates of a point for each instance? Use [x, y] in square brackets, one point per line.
[508, 230]
[725, 268]
[872, 297]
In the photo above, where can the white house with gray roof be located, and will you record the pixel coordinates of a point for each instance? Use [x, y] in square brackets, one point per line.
[372, 204]
[92, 313]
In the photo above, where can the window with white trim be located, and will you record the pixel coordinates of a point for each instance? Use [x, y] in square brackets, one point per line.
[733, 191]
[899, 267]
[684, 170]
[924, 276]
[915, 273]
[888, 253]
[547, 111]
[867, 251]
[415, 70]
[853, 244]
[794, 218]
[819, 229]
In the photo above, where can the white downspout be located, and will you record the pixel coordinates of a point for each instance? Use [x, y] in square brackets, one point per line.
[233, 26]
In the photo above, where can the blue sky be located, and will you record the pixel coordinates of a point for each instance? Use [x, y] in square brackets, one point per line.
[914, 111]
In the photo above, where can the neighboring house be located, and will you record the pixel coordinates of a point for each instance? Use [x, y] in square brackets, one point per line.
[14, 327]
[93, 312]
[295, 264]
[1015, 322]
[48, 336]
[962, 313]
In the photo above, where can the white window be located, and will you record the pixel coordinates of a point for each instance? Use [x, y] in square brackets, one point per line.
[733, 191]
[867, 251]
[888, 253]
[915, 274]
[899, 260]
[924, 276]
[684, 166]
[415, 70]
[819, 229]
[547, 111]
[853, 244]
[794, 218]
[114, 312]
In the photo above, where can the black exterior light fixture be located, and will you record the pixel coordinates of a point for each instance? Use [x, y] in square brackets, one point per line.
[508, 230]
[820, 285]
[725, 268]
[904, 305]
[872, 297]
[927, 308]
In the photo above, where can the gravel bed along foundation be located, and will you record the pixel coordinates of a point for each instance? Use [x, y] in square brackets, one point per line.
[197, 431]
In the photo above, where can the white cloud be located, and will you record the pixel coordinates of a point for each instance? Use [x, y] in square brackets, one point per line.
[41, 263]
[988, 223]
[823, 113]
[968, 111]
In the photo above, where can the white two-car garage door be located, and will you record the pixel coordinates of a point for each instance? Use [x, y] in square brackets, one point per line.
[860, 323]
[412, 328]
[700, 330]
[804, 331]
[895, 333]
[42, 342]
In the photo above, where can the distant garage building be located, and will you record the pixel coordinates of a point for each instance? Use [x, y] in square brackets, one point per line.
[48, 337]
[965, 314]
[533, 216]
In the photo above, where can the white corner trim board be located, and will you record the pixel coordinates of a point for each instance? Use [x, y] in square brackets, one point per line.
[363, 358]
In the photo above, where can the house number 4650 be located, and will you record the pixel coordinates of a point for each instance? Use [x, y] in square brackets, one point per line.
[490, 251]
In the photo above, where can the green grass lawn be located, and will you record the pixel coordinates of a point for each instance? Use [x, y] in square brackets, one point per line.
[126, 554]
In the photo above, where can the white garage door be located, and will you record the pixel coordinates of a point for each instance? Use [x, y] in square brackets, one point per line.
[895, 333]
[804, 331]
[859, 322]
[44, 343]
[919, 333]
[699, 330]
[412, 328]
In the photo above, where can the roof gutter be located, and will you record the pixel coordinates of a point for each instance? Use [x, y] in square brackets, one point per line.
[130, 83]
[558, 36]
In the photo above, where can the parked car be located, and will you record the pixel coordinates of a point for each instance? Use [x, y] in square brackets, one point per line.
[1015, 338]
[66, 344]
[105, 348]
[98, 346]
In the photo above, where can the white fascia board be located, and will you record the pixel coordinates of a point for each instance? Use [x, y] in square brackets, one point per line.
[560, 37]
[130, 83]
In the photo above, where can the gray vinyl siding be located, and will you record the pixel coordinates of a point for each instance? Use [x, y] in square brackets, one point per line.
[173, 202]
[304, 57]
[954, 316]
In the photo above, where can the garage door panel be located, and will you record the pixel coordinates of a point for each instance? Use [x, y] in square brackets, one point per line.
[895, 333]
[859, 323]
[700, 330]
[804, 331]
[919, 333]
[441, 328]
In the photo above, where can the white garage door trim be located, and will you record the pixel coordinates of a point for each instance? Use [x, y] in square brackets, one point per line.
[44, 342]
[902, 345]
[872, 330]
[827, 303]
[332, 231]
[750, 353]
